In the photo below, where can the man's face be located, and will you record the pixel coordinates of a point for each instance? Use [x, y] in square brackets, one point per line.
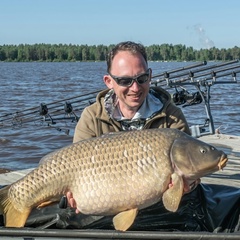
[125, 64]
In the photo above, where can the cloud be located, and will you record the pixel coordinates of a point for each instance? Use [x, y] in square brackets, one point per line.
[204, 40]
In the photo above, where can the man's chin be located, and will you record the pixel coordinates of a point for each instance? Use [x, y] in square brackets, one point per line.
[134, 106]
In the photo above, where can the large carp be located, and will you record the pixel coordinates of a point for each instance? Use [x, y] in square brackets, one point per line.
[115, 174]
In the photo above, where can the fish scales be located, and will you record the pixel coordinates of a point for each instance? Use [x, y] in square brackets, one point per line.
[115, 173]
[117, 164]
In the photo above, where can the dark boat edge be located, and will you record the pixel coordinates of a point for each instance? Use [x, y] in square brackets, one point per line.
[30, 234]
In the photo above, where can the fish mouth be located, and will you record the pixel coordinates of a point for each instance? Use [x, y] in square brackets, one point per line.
[222, 163]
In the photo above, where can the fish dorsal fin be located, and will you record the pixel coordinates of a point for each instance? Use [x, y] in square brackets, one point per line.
[124, 220]
[172, 197]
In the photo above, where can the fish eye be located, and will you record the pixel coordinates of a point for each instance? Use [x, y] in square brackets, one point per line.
[202, 150]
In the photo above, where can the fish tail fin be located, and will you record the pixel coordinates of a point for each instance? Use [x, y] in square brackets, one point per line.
[3, 197]
[13, 217]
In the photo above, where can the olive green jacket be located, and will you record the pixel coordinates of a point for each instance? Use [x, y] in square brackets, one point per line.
[95, 121]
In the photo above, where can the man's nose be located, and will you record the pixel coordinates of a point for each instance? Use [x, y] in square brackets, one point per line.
[135, 85]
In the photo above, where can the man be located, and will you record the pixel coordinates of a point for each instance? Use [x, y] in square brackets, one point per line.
[129, 103]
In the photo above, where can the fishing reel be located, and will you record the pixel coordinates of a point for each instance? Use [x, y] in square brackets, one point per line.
[68, 108]
[189, 99]
[69, 111]
[43, 111]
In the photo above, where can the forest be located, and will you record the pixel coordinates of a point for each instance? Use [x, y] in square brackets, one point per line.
[69, 52]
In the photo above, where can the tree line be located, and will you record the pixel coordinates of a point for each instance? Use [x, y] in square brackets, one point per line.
[70, 52]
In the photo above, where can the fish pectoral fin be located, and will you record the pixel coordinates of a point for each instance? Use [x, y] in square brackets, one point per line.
[172, 196]
[124, 220]
[50, 201]
[13, 217]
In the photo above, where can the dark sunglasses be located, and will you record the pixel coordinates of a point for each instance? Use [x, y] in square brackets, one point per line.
[128, 81]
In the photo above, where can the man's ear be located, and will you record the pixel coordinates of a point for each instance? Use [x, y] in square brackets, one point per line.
[108, 81]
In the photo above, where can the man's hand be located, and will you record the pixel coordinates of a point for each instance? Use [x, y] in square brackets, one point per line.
[190, 188]
[71, 201]
[68, 200]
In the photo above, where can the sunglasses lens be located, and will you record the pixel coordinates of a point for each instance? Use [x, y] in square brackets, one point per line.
[142, 79]
[125, 81]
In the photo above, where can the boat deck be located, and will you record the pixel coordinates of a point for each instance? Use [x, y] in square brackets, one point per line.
[230, 144]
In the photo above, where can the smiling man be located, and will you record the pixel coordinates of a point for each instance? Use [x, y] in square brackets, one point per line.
[129, 103]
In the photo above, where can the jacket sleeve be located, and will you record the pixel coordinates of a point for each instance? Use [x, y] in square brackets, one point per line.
[176, 119]
[86, 126]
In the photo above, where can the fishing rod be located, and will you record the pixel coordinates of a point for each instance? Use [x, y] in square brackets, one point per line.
[167, 73]
[188, 74]
[35, 110]
[39, 110]
[51, 119]
[205, 81]
[212, 73]
[181, 69]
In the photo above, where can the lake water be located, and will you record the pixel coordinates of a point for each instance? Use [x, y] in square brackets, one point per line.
[24, 86]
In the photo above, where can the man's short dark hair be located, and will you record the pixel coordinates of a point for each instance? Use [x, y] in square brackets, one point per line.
[125, 46]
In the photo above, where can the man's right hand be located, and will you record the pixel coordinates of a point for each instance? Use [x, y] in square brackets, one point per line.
[71, 202]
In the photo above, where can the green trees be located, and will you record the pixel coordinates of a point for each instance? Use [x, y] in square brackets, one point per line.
[64, 52]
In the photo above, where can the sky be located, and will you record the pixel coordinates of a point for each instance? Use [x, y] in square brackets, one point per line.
[193, 23]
